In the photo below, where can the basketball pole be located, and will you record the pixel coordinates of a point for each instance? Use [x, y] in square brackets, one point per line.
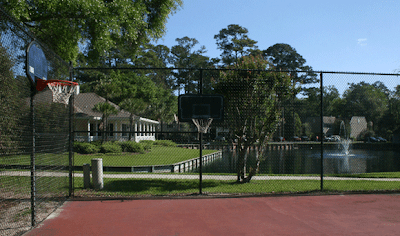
[33, 164]
[201, 163]
[201, 140]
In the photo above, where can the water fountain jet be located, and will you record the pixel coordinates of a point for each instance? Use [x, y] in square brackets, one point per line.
[344, 140]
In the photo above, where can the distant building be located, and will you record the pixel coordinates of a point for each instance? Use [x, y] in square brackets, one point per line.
[358, 124]
[315, 125]
[89, 121]
[396, 136]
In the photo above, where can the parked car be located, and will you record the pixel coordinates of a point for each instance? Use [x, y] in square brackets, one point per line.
[328, 139]
[295, 138]
[279, 139]
[336, 138]
[305, 138]
[381, 139]
[373, 140]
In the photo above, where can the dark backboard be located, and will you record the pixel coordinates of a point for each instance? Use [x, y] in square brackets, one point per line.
[195, 106]
[36, 62]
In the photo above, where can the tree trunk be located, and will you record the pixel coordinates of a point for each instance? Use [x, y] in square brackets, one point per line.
[161, 123]
[241, 166]
[130, 127]
[105, 137]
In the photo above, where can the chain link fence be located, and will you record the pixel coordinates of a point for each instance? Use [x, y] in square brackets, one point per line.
[268, 127]
[122, 137]
[34, 135]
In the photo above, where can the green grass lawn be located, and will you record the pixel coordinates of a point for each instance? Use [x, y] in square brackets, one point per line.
[115, 187]
[21, 185]
[40, 159]
[159, 155]
[134, 187]
[370, 175]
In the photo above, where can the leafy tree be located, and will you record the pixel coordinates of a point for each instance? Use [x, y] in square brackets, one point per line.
[119, 86]
[331, 98]
[390, 121]
[164, 107]
[364, 99]
[135, 106]
[12, 102]
[106, 109]
[156, 56]
[184, 56]
[251, 97]
[395, 109]
[285, 58]
[310, 106]
[100, 25]
[50, 117]
[234, 43]
[107, 88]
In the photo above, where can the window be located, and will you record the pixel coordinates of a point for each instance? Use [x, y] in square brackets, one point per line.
[92, 128]
[99, 128]
[111, 129]
[125, 129]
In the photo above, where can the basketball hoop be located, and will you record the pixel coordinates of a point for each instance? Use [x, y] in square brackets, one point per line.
[61, 89]
[202, 124]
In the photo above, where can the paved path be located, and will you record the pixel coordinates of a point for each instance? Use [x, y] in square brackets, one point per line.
[289, 215]
[183, 176]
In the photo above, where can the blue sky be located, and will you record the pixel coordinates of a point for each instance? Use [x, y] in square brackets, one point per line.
[351, 35]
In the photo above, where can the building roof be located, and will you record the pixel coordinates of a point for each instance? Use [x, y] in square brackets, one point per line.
[358, 119]
[84, 103]
[317, 119]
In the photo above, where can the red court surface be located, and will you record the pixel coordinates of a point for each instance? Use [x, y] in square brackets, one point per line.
[373, 214]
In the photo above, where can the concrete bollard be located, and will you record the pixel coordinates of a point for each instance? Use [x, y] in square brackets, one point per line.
[97, 173]
[86, 175]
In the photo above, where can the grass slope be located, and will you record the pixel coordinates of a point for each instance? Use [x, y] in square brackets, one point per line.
[159, 155]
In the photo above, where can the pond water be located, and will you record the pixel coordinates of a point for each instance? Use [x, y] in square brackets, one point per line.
[308, 161]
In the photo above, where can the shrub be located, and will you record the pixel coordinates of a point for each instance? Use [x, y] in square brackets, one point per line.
[97, 143]
[85, 148]
[132, 146]
[110, 147]
[366, 134]
[146, 144]
[167, 143]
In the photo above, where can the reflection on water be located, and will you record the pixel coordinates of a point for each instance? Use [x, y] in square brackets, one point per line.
[308, 161]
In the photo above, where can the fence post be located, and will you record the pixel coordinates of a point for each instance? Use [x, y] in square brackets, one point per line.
[71, 137]
[33, 169]
[322, 132]
[86, 176]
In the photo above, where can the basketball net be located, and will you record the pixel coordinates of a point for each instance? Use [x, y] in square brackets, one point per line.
[202, 124]
[61, 89]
